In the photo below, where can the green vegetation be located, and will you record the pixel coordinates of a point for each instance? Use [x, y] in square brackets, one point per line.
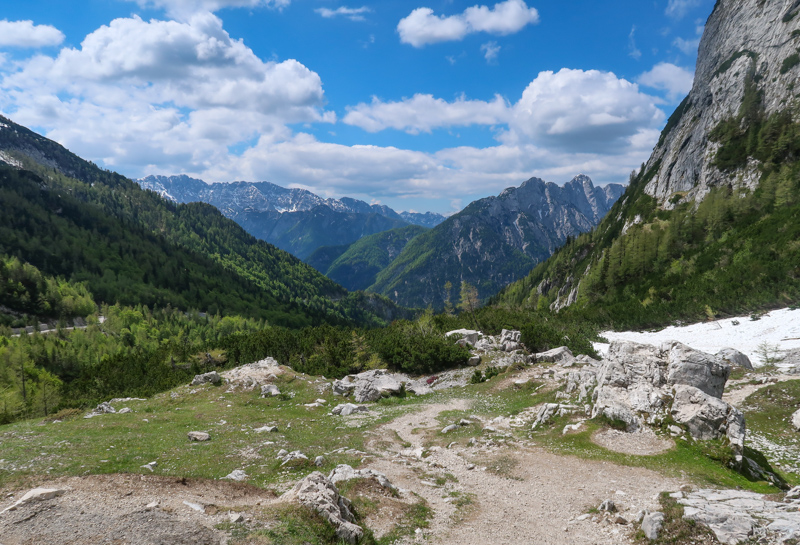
[357, 267]
[27, 295]
[725, 66]
[769, 413]
[790, 62]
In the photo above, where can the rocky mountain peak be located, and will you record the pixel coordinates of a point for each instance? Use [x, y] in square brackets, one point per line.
[748, 60]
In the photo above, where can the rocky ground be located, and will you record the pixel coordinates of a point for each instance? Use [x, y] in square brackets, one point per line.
[482, 467]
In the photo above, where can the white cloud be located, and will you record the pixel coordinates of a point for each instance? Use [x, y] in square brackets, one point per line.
[185, 8]
[677, 9]
[354, 14]
[688, 47]
[490, 51]
[423, 27]
[676, 81]
[162, 93]
[26, 34]
[633, 51]
[423, 113]
[590, 111]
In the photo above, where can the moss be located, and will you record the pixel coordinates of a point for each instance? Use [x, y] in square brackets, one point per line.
[790, 62]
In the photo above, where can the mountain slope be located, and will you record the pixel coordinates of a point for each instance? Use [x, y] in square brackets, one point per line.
[357, 267]
[69, 218]
[710, 225]
[494, 241]
[294, 220]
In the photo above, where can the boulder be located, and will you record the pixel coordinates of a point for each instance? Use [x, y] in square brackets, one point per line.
[125, 410]
[474, 360]
[561, 355]
[448, 429]
[344, 472]
[105, 408]
[608, 506]
[319, 461]
[469, 335]
[707, 417]
[733, 357]
[267, 429]
[37, 494]
[343, 387]
[198, 436]
[549, 410]
[237, 475]
[652, 524]
[796, 421]
[372, 385]
[293, 456]
[270, 390]
[635, 385]
[318, 493]
[347, 409]
[207, 378]
[510, 336]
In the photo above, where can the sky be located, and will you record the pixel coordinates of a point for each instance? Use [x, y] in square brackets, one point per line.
[422, 105]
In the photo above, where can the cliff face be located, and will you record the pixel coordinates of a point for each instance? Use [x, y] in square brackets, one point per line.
[749, 46]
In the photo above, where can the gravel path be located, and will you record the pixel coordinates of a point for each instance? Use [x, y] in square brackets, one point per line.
[538, 499]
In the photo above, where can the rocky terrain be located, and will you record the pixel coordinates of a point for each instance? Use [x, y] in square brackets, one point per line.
[555, 449]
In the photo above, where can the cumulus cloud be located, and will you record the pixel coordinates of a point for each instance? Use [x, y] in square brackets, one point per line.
[676, 81]
[26, 34]
[677, 9]
[423, 113]
[176, 93]
[423, 27]
[186, 8]
[490, 51]
[591, 111]
[354, 14]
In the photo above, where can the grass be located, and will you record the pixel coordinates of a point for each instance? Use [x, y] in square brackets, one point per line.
[769, 411]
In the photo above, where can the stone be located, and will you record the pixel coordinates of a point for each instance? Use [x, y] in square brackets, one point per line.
[198, 436]
[293, 456]
[105, 408]
[318, 493]
[448, 429]
[464, 422]
[344, 472]
[474, 361]
[548, 410]
[510, 336]
[707, 417]
[266, 429]
[236, 518]
[270, 390]
[37, 494]
[608, 506]
[561, 355]
[343, 387]
[652, 524]
[152, 505]
[319, 461]
[691, 367]
[207, 378]
[372, 385]
[237, 475]
[125, 410]
[469, 335]
[796, 421]
[347, 409]
[733, 357]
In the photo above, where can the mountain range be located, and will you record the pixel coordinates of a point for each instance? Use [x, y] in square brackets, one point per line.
[295, 220]
[709, 226]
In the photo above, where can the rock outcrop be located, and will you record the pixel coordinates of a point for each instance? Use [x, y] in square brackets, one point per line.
[734, 357]
[644, 385]
[317, 492]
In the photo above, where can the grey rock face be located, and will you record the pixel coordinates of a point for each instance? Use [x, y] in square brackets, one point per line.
[347, 409]
[317, 492]
[207, 378]
[344, 472]
[743, 39]
[734, 357]
[796, 421]
[270, 390]
[370, 385]
[652, 524]
[105, 408]
[561, 355]
[639, 384]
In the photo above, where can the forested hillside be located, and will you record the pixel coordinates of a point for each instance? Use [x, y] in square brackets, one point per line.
[71, 219]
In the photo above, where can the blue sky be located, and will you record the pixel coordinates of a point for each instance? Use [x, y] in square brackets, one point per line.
[421, 105]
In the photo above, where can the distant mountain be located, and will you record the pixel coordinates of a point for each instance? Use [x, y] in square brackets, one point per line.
[71, 219]
[295, 220]
[494, 241]
[356, 266]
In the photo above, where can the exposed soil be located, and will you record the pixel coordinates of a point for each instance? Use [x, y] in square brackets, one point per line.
[641, 443]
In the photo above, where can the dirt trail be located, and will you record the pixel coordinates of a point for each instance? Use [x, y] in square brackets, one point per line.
[537, 499]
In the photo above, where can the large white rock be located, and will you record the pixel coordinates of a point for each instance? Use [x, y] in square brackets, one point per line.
[270, 390]
[652, 524]
[469, 335]
[37, 494]
[318, 493]
[796, 421]
[344, 472]
[370, 385]
[207, 378]
[708, 417]
[561, 355]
